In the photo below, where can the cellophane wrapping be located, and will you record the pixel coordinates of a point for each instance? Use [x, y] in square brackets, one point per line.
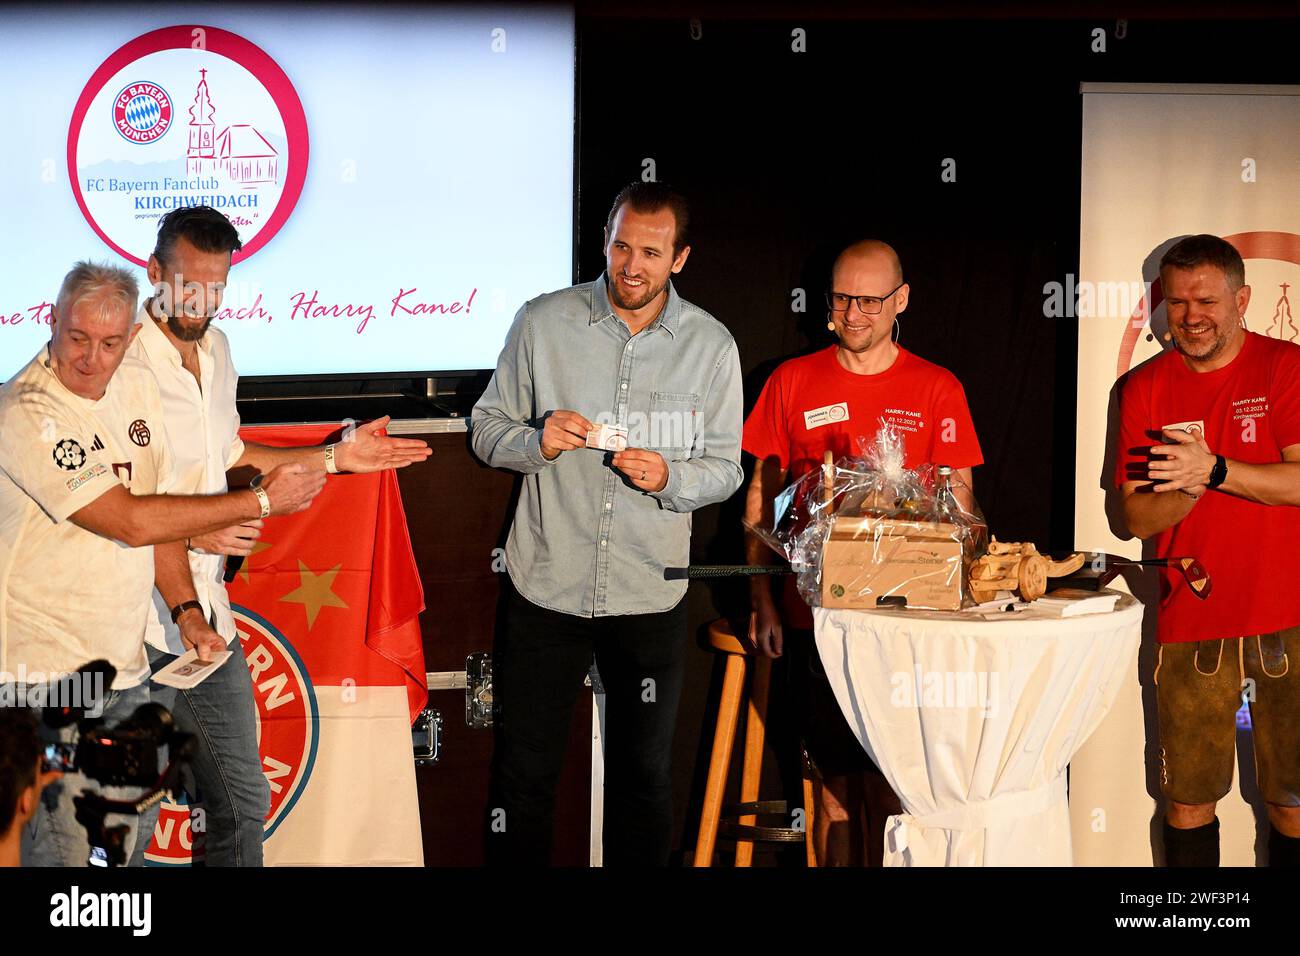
[891, 530]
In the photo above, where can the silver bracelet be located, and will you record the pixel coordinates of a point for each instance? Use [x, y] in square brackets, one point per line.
[264, 500]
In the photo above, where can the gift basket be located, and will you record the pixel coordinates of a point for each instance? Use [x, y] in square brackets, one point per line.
[866, 531]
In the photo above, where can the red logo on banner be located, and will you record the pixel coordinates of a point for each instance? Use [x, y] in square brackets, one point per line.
[288, 730]
[173, 836]
[1277, 246]
[288, 724]
[142, 112]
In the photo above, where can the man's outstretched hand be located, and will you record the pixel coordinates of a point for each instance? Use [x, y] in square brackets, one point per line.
[366, 449]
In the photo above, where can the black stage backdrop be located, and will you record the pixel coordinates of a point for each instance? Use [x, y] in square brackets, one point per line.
[787, 156]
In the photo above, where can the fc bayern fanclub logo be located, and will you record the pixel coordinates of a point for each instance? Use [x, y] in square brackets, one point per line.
[239, 145]
[142, 112]
[139, 433]
[69, 455]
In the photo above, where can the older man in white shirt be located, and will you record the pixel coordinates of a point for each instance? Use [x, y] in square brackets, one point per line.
[89, 526]
[197, 379]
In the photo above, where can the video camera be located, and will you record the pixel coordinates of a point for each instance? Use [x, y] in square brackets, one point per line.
[125, 754]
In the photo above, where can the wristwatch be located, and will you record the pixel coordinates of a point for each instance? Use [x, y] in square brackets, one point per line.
[184, 606]
[1219, 473]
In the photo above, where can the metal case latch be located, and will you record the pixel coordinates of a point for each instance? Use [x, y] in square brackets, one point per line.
[426, 737]
[479, 708]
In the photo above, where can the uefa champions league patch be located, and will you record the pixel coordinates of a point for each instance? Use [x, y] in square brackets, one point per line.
[69, 455]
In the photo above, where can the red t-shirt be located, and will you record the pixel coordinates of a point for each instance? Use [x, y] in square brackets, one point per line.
[813, 403]
[1251, 411]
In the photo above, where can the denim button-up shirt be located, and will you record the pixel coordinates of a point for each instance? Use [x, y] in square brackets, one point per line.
[585, 541]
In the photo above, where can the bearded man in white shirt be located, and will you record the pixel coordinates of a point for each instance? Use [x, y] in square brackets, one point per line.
[197, 379]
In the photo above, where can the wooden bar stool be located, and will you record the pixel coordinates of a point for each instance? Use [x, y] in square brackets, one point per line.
[740, 820]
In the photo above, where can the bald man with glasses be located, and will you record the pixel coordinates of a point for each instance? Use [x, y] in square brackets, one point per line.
[824, 402]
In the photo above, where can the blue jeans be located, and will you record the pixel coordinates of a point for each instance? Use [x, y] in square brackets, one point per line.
[233, 796]
[53, 837]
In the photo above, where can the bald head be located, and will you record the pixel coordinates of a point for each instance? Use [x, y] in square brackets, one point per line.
[872, 257]
[866, 294]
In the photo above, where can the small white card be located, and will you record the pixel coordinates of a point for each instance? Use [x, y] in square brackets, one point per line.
[1192, 428]
[607, 437]
[187, 671]
[826, 415]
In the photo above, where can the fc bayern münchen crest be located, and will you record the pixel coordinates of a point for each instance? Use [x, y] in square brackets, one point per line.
[69, 455]
[142, 112]
[139, 432]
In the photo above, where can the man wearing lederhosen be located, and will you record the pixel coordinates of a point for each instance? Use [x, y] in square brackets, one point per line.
[1209, 467]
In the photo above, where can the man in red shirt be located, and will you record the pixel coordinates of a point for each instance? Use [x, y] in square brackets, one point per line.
[1222, 485]
[829, 400]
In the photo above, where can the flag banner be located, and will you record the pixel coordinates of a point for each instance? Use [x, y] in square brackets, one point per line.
[328, 606]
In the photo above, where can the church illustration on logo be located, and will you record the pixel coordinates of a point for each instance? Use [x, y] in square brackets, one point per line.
[1282, 325]
[239, 151]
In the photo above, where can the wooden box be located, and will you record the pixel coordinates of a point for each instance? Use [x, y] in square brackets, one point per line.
[868, 558]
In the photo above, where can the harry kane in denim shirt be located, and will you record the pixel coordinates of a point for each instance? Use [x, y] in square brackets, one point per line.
[594, 528]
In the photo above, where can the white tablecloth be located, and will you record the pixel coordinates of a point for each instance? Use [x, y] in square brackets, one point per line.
[974, 721]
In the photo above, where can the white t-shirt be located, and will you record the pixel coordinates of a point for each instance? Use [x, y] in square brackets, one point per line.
[203, 428]
[69, 596]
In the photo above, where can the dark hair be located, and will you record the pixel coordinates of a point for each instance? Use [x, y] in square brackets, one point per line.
[19, 749]
[1202, 250]
[652, 197]
[202, 226]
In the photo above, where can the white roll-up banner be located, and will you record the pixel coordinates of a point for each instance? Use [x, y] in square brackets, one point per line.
[1162, 162]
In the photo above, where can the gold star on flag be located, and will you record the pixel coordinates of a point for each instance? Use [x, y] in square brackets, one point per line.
[314, 591]
[248, 561]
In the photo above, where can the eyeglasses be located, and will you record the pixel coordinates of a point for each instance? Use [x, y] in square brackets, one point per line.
[867, 304]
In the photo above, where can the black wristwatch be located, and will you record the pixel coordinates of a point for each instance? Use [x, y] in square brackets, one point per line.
[1219, 473]
[184, 606]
